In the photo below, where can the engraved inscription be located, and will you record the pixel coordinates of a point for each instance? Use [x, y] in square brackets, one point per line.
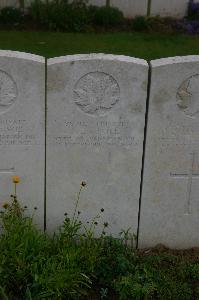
[16, 132]
[188, 96]
[190, 175]
[8, 91]
[96, 93]
[97, 133]
[176, 137]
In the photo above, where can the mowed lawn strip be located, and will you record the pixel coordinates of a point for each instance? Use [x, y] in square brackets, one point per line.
[142, 45]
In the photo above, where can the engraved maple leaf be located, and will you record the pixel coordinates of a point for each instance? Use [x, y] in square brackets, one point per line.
[7, 93]
[96, 93]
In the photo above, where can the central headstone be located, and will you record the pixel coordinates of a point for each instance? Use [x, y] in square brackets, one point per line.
[95, 129]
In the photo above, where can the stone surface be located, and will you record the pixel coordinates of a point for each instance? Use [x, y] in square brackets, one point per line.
[131, 8]
[170, 205]
[95, 129]
[174, 8]
[5, 3]
[22, 128]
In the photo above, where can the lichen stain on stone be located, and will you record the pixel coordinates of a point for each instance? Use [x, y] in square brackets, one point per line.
[160, 99]
[156, 201]
[57, 81]
[144, 85]
[135, 107]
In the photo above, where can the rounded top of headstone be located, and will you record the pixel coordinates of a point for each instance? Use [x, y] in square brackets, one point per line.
[174, 60]
[97, 56]
[22, 55]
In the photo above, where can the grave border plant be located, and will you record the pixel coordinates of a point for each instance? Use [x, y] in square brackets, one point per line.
[75, 265]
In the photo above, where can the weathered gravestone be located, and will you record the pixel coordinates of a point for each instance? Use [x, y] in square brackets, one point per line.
[95, 129]
[22, 129]
[170, 200]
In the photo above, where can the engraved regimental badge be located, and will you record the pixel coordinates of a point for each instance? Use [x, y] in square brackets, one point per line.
[188, 96]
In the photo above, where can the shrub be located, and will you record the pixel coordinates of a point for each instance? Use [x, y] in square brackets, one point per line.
[193, 10]
[77, 16]
[140, 23]
[188, 26]
[38, 12]
[10, 15]
[192, 27]
[61, 15]
[159, 24]
[108, 17]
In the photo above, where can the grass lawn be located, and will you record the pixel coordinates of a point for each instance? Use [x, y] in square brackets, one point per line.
[143, 45]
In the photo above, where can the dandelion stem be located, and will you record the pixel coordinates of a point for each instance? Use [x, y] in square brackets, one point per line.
[15, 193]
[76, 204]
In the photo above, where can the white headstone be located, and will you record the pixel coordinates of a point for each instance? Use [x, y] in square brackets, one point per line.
[22, 129]
[95, 129]
[170, 200]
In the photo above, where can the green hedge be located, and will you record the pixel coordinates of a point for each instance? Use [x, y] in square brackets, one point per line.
[76, 16]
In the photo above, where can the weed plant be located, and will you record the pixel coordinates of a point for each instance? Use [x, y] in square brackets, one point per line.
[75, 264]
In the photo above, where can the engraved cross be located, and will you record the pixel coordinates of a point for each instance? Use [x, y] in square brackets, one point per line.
[190, 175]
[7, 170]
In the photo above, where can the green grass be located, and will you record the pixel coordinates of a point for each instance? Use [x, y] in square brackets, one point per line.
[143, 45]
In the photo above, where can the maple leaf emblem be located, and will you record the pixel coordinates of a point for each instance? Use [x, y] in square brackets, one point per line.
[96, 92]
[7, 90]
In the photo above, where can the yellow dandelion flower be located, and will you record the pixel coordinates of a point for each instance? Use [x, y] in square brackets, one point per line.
[15, 179]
